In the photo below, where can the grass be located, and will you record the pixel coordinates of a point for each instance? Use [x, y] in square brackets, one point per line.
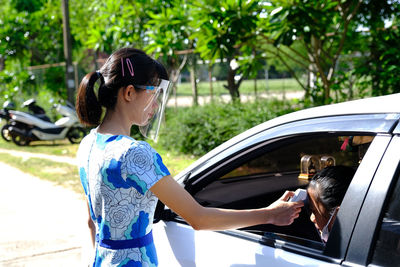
[175, 162]
[247, 87]
[65, 174]
[57, 147]
[60, 173]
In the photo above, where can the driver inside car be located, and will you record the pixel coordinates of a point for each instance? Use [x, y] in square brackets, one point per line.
[326, 192]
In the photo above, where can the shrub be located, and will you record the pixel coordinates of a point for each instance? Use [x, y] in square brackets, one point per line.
[197, 130]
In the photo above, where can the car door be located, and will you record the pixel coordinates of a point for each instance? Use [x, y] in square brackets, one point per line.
[376, 237]
[211, 184]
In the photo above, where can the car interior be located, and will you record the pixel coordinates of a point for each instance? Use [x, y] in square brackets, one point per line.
[261, 176]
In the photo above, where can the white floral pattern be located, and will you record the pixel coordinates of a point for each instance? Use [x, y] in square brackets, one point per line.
[116, 173]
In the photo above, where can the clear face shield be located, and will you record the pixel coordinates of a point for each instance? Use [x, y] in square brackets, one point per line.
[153, 113]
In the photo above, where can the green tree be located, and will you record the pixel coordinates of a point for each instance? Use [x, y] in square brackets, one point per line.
[314, 34]
[377, 68]
[221, 28]
[168, 34]
[30, 34]
[111, 24]
[30, 27]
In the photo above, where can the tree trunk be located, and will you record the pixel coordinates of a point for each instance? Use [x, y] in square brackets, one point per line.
[232, 86]
[255, 87]
[211, 82]
[192, 69]
[2, 65]
[351, 86]
[69, 69]
[310, 82]
[174, 76]
[266, 78]
[375, 79]
[327, 91]
[96, 57]
[174, 88]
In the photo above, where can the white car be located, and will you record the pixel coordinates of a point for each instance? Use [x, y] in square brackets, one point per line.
[254, 168]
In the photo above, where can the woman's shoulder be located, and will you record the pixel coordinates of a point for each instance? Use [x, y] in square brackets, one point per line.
[130, 147]
[136, 148]
[142, 162]
[85, 144]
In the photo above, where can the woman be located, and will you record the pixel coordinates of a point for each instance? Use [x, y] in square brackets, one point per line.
[123, 178]
[326, 192]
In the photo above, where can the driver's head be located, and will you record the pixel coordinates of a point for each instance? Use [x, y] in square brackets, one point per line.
[326, 191]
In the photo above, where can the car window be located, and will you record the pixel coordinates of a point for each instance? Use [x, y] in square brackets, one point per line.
[258, 179]
[387, 249]
[343, 150]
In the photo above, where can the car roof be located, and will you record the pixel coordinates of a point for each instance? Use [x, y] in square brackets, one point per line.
[373, 105]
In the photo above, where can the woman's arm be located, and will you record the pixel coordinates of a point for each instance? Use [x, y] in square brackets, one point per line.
[181, 202]
[92, 227]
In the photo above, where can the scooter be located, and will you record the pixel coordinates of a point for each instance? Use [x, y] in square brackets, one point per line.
[25, 127]
[5, 115]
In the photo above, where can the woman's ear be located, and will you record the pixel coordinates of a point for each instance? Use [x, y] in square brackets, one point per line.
[128, 93]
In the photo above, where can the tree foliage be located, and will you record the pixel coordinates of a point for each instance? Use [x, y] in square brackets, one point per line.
[197, 130]
[324, 29]
[221, 28]
[343, 45]
[110, 24]
[378, 68]
[30, 34]
[168, 34]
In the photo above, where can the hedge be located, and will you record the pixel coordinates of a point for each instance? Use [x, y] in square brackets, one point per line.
[197, 130]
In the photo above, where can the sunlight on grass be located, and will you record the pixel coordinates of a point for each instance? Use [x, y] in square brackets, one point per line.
[58, 147]
[247, 87]
[60, 173]
[175, 162]
[49, 170]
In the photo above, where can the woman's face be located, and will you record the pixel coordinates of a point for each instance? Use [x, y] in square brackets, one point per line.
[145, 106]
[320, 215]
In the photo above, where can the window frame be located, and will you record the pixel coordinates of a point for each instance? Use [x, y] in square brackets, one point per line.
[258, 151]
[193, 178]
[366, 230]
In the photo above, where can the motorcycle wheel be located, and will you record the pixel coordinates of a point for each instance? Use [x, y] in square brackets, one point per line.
[20, 140]
[5, 133]
[76, 134]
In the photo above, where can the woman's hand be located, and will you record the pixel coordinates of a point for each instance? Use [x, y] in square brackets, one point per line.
[181, 202]
[282, 212]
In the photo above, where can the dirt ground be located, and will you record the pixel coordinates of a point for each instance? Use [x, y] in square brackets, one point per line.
[41, 224]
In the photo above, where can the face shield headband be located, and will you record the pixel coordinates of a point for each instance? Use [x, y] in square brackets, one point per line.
[153, 113]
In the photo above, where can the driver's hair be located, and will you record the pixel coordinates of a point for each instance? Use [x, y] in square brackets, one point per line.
[331, 184]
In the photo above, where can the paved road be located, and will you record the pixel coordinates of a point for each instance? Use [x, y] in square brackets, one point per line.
[41, 224]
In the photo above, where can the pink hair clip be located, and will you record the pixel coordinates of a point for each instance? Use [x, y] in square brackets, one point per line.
[129, 65]
[122, 67]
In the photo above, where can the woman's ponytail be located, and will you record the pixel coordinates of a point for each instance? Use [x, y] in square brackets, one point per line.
[88, 108]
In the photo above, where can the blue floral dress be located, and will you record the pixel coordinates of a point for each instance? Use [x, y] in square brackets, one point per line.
[117, 172]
